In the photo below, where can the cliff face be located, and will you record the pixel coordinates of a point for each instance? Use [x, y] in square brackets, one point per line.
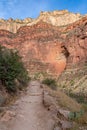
[13, 25]
[59, 18]
[56, 18]
[76, 42]
[40, 46]
[45, 47]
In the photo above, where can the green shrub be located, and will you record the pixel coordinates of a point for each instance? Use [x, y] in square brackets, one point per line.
[80, 98]
[76, 115]
[50, 82]
[11, 69]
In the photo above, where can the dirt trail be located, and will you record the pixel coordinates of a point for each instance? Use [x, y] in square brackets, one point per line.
[30, 112]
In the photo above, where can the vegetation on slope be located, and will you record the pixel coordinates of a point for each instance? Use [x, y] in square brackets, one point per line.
[74, 83]
[50, 82]
[12, 71]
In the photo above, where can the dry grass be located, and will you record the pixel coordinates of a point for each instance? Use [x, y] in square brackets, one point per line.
[67, 103]
[82, 119]
[64, 101]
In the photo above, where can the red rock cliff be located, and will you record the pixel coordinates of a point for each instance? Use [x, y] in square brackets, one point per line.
[47, 48]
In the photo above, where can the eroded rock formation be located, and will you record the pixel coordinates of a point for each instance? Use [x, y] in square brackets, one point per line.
[56, 18]
[46, 46]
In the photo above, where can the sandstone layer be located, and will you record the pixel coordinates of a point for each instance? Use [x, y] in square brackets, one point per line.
[40, 46]
[45, 47]
[56, 18]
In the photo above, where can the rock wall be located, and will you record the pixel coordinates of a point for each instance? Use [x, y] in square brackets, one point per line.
[39, 45]
[56, 18]
[48, 48]
[76, 43]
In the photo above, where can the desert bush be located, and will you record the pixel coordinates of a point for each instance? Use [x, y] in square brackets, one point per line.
[50, 82]
[79, 117]
[80, 98]
[76, 115]
[11, 69]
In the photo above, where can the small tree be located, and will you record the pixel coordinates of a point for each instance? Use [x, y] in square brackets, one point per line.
[11, 69]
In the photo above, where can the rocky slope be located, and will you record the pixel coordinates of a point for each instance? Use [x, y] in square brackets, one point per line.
[74, 78]
[46, 48]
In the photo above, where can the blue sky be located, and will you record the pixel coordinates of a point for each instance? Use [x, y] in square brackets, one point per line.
[31, 8]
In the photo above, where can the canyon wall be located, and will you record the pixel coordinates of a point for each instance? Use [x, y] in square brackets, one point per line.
[45, 46]
[56, 18]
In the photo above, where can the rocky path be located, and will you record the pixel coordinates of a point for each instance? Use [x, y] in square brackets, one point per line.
[30, 113]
